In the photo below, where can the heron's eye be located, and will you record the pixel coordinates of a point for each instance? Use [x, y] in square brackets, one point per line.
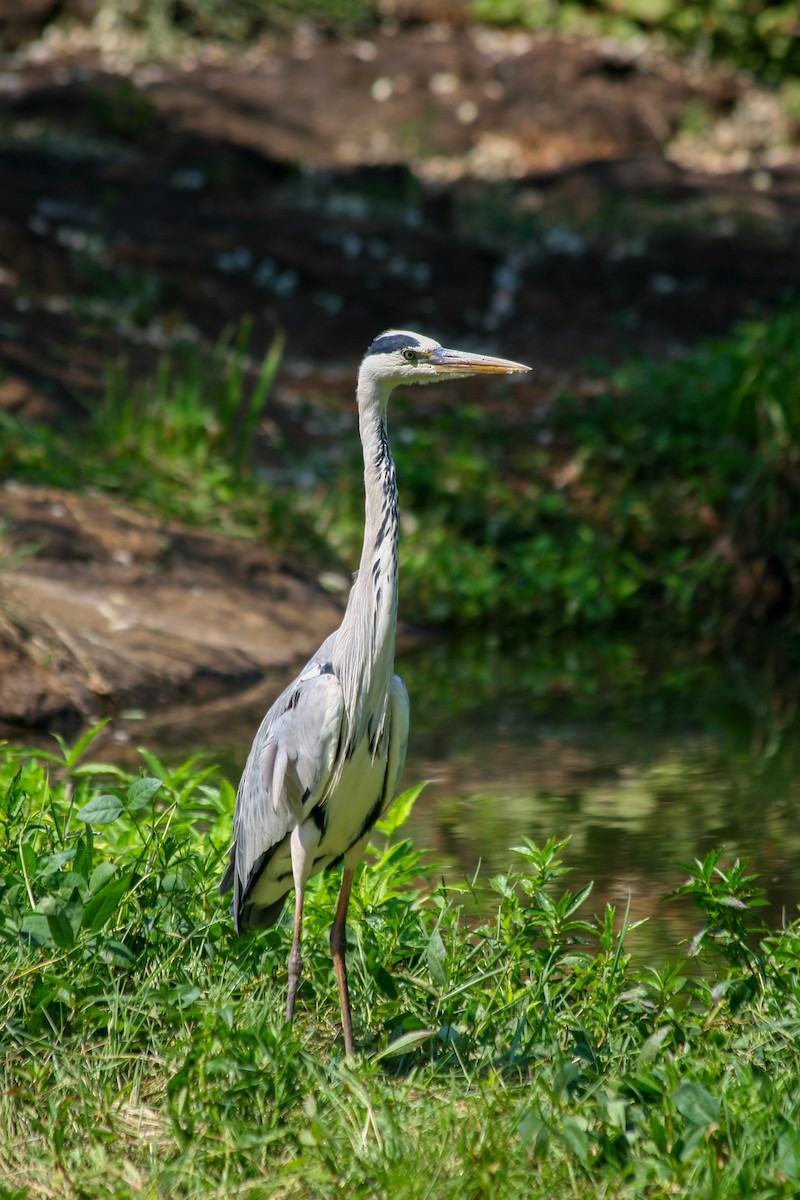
[410, 355]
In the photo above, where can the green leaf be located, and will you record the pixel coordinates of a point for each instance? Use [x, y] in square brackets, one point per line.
[400, 810]
[53, 862]
[404, 1043]
[73, 910]
[101, 810]
[578, 899]
[105, 903]
[117, 953]
[437, 960]
[732, 902]
[101, 875]
[85, 856]
[576, 1138]
[788, 1156]
[35, 928]
[617, 1113]
[61, 929]
[101, 768]
[30, 859]
[652, 1044]
[384, 981]
[185, 994]
[141, 793]
[696, 1104]
[74, 752]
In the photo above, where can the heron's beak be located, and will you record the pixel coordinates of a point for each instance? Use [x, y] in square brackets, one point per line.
[475, 364]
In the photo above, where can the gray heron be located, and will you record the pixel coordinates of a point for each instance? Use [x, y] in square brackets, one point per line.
[328, 755]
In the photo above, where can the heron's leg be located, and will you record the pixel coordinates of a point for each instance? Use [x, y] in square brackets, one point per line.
[302, 860]
[338, 948]
[295, 955]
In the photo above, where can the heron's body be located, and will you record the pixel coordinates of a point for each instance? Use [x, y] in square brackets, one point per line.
[329, 753]
[351, 782]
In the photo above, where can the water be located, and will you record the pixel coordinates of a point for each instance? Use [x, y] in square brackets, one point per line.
[644, 756]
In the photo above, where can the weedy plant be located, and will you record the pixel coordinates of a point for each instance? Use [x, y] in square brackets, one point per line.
[189, 431]
[144, 1051]
[668, 499]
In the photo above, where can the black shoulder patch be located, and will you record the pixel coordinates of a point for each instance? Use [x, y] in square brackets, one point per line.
[388, 342]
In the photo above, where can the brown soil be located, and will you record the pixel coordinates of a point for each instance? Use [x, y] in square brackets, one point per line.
[116, 610]
[511, 192]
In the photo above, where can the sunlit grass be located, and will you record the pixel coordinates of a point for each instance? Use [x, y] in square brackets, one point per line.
[144, 1051]
[669, 499]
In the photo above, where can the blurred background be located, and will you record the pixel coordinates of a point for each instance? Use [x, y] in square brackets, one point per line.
[208, 211]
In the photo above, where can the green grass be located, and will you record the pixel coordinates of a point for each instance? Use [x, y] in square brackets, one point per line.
[649, 504]
[179, 443]
[144, 1053]
[669, 499]
[748, 33]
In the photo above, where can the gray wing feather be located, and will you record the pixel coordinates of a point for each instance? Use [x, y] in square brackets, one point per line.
[287, 771]
[400, 713]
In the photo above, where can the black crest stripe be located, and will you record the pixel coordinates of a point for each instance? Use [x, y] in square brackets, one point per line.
[388, 342]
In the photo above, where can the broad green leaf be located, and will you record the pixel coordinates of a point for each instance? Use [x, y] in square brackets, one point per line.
[384, 981]
[101, 768]
[502, 885]
[36, 929]
[400, 810]
[616, 1111]
[101, 810]
[788, 1156]
[101, 875]
[185, 994]
[54, 862]
[696, 1103]
[404, 1043]
[437, 960]
[105, 903]
[576, 1138]
[117, 953]
[30, 859]
[73, 910]
[141, 793]
[85, 856]
[61, 929]
[578, 899]
[652, 1044]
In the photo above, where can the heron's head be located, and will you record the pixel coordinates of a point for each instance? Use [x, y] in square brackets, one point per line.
[399, 357]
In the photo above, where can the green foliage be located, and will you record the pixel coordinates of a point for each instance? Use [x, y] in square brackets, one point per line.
[180, 442]
[646, 504]
[670, 498]
[184, 438]
[237, 22]
[760, 37]
[144, 1052]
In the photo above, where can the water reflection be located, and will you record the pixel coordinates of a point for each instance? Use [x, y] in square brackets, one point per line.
[644, 759]
[643, 766]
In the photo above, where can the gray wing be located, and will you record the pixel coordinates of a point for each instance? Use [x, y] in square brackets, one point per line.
[287, 771]
[400, 712]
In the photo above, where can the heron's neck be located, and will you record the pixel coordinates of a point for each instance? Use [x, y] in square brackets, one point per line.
[365, 643]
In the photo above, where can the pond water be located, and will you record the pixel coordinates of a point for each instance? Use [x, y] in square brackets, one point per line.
[646, 757]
